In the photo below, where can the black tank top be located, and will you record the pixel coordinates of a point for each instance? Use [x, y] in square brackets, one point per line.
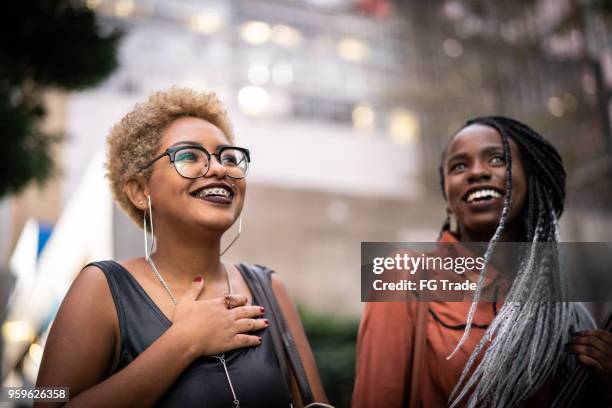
[254, 371]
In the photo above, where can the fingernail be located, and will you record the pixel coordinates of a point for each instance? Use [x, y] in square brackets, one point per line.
[198, 279]
[260, 340]
[266, 322]
[261, 309]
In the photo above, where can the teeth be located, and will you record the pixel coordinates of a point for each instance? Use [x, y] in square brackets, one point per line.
[482, 193]
[213, 191]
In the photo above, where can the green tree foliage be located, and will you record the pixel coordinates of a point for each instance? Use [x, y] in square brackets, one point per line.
[333, 341]
[43, 44]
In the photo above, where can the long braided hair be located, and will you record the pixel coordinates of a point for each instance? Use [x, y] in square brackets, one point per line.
[524, 345]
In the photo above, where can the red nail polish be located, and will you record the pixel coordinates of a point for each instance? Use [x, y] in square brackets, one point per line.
[260, 340]
[261, 309]
[198, 279]
[266, 322]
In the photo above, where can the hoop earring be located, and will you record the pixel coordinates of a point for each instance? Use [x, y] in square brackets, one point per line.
[235, 238]
[148, 249]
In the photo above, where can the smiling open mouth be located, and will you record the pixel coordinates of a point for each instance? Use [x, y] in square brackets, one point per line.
[483, 195]
[216, 194]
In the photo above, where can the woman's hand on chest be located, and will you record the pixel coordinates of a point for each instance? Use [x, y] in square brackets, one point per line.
[219, 324]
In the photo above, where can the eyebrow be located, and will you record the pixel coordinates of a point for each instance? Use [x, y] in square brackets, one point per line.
[486, 150]
[192, 143]
[186, 142]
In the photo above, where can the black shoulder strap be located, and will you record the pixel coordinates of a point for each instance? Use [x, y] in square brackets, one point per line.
[258, 280]
[256, 287]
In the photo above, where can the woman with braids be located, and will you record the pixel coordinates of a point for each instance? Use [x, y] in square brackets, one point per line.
[502, 181]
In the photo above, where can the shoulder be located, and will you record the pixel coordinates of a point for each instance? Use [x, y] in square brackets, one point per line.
[107, 270]
[84, 334]
[91, 280]
[284, 299]
[262, 274]
[278, 286]
[98, 275]
[89, 296]
[257, 269]
[390, 311]
[379, 317]
[283, 294]
[87, 311]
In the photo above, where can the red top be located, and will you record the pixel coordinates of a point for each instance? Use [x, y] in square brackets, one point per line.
[386, 340]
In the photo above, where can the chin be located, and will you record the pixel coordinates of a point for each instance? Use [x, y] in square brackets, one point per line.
[219, 225]
[483, 225]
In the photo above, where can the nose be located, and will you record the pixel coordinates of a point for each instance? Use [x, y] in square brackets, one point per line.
[478, 171]
[215, 168]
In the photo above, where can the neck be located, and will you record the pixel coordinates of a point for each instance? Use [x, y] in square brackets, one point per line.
[511, 233]
[503, 260]
[181, 257]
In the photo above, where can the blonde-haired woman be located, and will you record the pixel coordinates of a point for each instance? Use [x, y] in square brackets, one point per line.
[178, 327]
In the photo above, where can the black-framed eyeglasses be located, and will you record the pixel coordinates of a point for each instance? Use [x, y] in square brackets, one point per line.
[193, 161]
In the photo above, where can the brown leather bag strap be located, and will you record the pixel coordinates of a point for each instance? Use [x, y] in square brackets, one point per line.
[419, 348]
[258, 279]
[256, 284]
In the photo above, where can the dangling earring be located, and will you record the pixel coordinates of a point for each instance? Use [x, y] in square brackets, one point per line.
[235, 238]
[148, 250]
[451, 222]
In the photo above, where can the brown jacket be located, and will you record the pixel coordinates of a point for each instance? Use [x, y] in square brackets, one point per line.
[389, 338]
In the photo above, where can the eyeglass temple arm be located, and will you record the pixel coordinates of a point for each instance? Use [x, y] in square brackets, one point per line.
[156, 159]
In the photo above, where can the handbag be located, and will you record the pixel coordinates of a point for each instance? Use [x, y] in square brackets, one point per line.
[258, 279]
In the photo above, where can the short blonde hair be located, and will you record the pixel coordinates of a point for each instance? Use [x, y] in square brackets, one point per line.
[135, 139]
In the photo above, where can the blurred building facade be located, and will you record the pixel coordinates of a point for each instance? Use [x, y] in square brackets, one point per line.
[385, 83]
[334, 152]
[346, 107]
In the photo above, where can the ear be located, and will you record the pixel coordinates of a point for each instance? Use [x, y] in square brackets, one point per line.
[137, 192]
